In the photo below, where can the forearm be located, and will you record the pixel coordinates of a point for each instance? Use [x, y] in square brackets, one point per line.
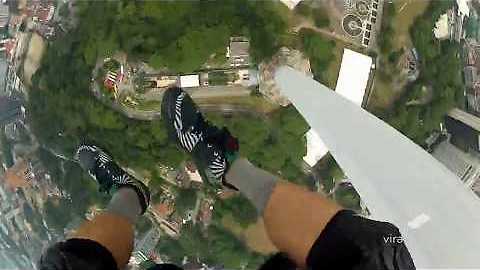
[294, 217]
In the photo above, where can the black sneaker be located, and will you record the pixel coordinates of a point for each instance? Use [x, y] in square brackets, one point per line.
[208, 145]
[108, 174]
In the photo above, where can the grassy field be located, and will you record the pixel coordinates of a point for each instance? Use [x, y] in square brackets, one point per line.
[331, 74]
[406, 12]
[386, 91]
[254, 236]
[258, 104]
[148, 105]
[33, 58]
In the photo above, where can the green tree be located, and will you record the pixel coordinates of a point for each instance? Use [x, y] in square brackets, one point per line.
[320, 17]
[318, 50]
[217, 247]
[440, 69]
[185, 200]
[241, 209]
[57, 215]
[387, 32]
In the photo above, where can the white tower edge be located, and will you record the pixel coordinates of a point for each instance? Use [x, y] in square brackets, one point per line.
[399, 182]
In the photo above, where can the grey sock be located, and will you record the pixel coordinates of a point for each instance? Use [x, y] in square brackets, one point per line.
[256, 184]
[125, 203]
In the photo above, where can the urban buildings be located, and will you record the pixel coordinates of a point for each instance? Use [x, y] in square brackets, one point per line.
[4, 15]
[238, 52]
[11, 110]
[464, 129]
[459, 150]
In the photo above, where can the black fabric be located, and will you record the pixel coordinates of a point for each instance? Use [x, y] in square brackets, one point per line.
[77, 254]
[279, 261]
[166, 266]
[350, 241]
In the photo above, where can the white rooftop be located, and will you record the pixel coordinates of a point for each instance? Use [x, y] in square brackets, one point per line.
[441, 27]
[463, 7]
[351, 84]
[353, 76]
[316, 149]
[291, 4]
[189, 81]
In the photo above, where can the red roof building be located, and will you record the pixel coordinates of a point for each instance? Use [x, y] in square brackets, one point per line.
[163, 210]
[45, 14]
[10, 47]
[110, 80]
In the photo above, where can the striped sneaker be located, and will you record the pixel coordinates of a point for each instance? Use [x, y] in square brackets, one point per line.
[206, 143]
[108, 174]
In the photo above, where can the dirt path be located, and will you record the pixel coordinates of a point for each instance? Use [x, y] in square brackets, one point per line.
[329, 34]
[33, 58]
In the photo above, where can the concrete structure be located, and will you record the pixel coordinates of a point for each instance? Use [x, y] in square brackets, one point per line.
[285, 56]
[145, 247]
[316, 149]
[466, 166]
[238, 52]
[4, 15]
[10, 110]
[398, 181]
[187, 81]
[353, 76]
[351, 84]
[361, 20]
[471, 76]
[464, 129]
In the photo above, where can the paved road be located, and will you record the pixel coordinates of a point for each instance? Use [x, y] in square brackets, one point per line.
[219, 92]
[196, 93]
[438, 216]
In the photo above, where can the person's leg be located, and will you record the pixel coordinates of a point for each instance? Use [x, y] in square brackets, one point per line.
[113, 229]
[106, 241]
[216, 150]
[303, 224]
[293, 216]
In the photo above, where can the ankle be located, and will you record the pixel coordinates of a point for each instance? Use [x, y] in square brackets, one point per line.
[126, 203]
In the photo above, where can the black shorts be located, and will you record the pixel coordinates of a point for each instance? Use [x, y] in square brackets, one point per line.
[348, 241]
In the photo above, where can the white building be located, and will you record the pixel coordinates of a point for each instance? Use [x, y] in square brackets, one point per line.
[187, 81]
[441, 30]
[291, 4]
[351, 84]
[316, 149]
